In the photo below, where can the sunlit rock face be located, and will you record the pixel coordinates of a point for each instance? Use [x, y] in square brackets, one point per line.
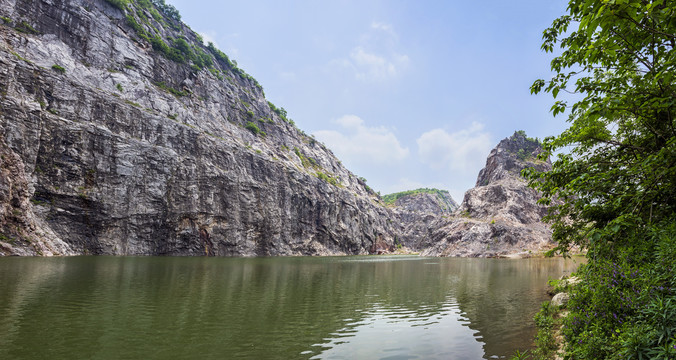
[122, 133]
[110, 147]
[500, 216]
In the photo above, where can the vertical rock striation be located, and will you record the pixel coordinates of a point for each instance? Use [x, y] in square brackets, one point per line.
[123, 134]
[500, 215]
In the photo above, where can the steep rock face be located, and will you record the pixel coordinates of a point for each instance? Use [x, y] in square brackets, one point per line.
[417, 211]
[115, 149]
[500, 215]
[19, 227]
[433, 202]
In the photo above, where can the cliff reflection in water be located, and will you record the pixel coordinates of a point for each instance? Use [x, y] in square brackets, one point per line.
[375, 307]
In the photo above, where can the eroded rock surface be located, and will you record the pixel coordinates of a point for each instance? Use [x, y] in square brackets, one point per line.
[109, 147]
[498, 217]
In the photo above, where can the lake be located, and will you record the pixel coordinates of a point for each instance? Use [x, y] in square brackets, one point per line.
[357, 307]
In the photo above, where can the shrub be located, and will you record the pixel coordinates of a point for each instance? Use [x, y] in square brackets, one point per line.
[167, 9]
[625, 306]
[252, 127]
[119, 87]
[327, 178]
[58, 69]
[120, 4]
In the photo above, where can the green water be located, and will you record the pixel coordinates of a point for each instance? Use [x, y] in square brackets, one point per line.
[270, 308]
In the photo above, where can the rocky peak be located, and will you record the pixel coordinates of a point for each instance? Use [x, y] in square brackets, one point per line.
[510, 156]
[500, 215]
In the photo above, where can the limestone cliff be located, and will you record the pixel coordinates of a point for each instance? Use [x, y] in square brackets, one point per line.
[121, 133]
[416, 211]
[500, 216]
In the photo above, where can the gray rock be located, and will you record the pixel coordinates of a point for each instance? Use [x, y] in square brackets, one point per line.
[560, 299]
[119, 150]
[103, 158]
[500, 216]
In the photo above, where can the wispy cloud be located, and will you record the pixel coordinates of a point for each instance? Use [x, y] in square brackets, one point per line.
[376, 57]
[371, 66]
[464, 150]
[357, 143]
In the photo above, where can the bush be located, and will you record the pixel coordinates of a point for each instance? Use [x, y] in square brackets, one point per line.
[58, 69]
[625, 306]
[327, 178]
[252, 127]
[120, 4]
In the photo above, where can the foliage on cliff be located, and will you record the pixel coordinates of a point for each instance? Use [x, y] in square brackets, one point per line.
[618, 182]
[392, 198]
[179, 49]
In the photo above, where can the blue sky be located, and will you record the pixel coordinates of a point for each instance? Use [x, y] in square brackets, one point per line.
[407, 93]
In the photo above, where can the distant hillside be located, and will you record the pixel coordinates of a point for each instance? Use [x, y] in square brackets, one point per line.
[390, 199]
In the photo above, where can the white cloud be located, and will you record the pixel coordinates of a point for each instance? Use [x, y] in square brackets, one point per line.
[371, 66]
[376, 56]
[387, 28]
[360, 144]
[464, 151]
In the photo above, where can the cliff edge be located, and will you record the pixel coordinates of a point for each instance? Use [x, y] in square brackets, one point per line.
[122, 133]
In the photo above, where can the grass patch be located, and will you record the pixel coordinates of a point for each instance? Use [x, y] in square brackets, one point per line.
[58, 68]
[162, 85]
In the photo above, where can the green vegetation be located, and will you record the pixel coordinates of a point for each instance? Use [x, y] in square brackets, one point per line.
[392, 198]
[179, 49]
[544, 340]
[218, 54]
[252, 127]
[129, 102]
[119, 87]
[21, 57]
[120, 4]
[59, 69]
[617, 185]
[5, 19]
[523, 133]
[280, 111]
[305, 160]
[26, 28]
[165, 87]
[328, 178]
[522, 154]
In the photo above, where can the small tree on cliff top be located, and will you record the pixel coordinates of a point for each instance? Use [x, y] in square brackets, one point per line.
[620, 174]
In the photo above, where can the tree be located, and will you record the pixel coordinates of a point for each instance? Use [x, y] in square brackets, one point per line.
[619, 176]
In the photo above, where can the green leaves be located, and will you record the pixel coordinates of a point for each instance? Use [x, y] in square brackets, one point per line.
[621, 150]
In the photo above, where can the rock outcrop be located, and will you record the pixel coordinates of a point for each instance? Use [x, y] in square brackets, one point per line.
[498, 217]
[121, 133]
[416, 211]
